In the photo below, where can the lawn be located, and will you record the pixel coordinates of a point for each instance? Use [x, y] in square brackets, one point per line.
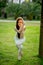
[8, 50]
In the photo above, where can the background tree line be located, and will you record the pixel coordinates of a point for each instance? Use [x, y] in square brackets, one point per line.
[28, 10]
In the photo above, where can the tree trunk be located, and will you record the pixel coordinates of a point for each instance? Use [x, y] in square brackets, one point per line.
[19, 1]
[41, 36]
[12, 1]
[30, 0]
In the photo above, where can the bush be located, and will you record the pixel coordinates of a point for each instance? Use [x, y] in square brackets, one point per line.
[25, 9]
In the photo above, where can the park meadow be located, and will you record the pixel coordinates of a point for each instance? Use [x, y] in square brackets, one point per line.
[8, 50]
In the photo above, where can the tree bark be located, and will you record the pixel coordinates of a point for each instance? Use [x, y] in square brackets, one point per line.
[12, 1]
[41, 36]
[19, 1]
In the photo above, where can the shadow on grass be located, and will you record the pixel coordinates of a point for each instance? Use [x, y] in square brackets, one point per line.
[18, 62]
[40, 59]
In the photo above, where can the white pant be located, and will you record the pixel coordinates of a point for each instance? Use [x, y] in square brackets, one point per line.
[19, 46]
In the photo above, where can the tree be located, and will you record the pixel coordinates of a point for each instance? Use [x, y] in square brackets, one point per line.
[38, 1]
[41, 36]
[19, 1]
[3, 4]
[26, 9]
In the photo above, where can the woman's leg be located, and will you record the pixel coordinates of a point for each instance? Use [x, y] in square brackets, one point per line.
[19, 51]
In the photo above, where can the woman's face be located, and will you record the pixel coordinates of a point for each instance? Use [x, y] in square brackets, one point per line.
[20, 22]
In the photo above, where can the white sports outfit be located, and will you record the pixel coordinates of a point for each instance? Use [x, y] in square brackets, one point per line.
[19, 45]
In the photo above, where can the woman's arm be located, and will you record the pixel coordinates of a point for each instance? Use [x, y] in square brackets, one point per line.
[18, 30]
[24, 27]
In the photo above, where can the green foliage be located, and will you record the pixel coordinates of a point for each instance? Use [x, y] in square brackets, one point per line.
[25, 9]
[38, 1]
[2, 5]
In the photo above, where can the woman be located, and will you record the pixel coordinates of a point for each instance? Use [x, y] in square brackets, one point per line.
[19, 39]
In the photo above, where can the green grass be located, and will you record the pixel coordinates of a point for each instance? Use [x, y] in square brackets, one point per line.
[8, 50]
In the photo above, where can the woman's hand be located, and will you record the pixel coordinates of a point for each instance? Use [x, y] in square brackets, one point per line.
[19, 31]
[24, 27]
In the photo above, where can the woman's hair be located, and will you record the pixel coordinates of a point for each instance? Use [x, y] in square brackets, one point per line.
[19, 18]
